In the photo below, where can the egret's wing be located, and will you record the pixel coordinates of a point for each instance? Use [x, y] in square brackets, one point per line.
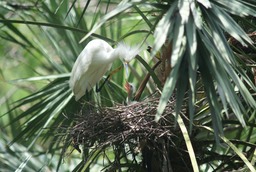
[89, 67]
[88, 79]
[80, 69]
[93, 75]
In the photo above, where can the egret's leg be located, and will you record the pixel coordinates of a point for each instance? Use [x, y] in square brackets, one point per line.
[115, 70]
[98, 89]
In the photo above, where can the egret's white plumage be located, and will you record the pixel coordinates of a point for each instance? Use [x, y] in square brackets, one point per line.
[94, 61]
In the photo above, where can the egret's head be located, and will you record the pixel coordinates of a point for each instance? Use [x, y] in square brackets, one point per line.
[125, 52]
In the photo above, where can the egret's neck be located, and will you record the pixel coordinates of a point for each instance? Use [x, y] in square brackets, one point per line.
[124, 52]
[114, 54]
[129, 97]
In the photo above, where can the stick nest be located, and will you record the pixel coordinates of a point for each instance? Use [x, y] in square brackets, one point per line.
[122, 124]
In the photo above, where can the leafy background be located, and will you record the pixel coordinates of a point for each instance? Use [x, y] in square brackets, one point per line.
[40, 41]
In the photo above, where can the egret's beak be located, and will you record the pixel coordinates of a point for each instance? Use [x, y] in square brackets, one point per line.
[126, 69]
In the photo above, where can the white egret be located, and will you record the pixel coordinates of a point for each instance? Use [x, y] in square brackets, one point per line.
[94, 61]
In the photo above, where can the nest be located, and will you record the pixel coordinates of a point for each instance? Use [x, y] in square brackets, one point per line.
[122, 124]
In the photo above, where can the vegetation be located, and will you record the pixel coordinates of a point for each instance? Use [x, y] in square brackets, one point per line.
[195, 75]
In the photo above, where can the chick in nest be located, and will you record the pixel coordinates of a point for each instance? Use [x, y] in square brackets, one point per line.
[131, 89]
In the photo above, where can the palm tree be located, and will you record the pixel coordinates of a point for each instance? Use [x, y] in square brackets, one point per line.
[195, 103]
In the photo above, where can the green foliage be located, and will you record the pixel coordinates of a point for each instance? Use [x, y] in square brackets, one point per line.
[40, 41]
